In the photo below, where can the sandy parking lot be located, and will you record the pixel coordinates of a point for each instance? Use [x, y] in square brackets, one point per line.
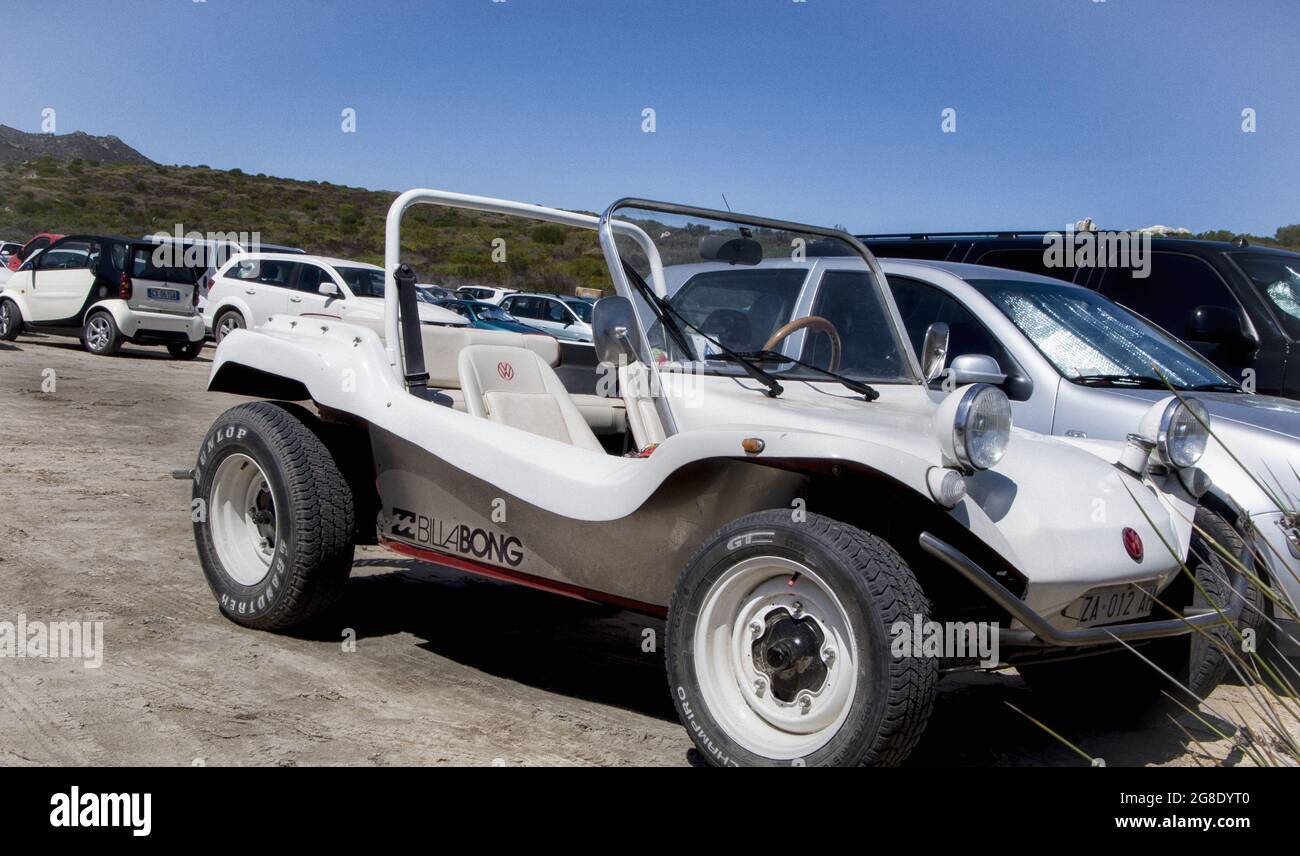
[447, 669]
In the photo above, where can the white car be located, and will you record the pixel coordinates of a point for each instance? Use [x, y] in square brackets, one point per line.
[251, 288]
[1075, 364]
[485, 293]
[569, 317]
[806, 531]
[106, 291]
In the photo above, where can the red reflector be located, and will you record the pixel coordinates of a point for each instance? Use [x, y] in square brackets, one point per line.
[124, 288]
[1133, 544]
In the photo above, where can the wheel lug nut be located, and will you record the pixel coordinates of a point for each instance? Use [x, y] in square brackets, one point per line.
[798, 609]
[760, 687]
[828, 655]
[805, 704]
[755, 628]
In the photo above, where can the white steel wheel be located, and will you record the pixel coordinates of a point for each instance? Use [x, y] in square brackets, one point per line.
[243, 519]
[776, 658]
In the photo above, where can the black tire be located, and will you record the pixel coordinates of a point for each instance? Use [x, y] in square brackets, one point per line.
[107, 344]
[894, 695]
[229, 318]
[11, 320]
[1120, 683]
[187, 351]
[312, 506]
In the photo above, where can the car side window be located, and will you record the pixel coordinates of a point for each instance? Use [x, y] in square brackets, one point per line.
[69, 255]
[921, 305]
[522, 307]
[557, 312]
[311, 277]
[1177, 284]
[276, 273]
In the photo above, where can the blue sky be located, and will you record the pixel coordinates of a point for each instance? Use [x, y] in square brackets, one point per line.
[827, 111]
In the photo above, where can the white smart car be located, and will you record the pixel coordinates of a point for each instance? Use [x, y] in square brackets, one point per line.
[252, 287]
[806, 526]
[106, 291]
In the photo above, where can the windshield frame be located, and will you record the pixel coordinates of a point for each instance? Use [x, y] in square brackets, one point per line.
[658, 284]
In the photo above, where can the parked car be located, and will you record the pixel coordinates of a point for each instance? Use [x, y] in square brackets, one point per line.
[1075, 364]
[487, 316]
[33, 245]
[211, 255]
[792, 523]
[252, 287]
[433, 293]
[107, 291]
[485, 293]
[1234, 303]
[552, 313]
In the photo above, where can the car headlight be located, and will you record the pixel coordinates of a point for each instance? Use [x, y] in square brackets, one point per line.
[1183, 433]
[973, 426]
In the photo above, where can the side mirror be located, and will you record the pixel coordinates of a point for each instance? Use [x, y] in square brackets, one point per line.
[613, 325]
[329, 289]
[1218, 325]
[977, 368]
[934, 350]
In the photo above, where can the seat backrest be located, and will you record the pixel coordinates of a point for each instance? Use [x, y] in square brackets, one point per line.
[443, 345]
[516, 387]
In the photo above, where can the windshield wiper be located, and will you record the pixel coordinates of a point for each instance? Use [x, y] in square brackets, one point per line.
[1132, 380]
[1214, 387]
[857, 386]
[668, 311]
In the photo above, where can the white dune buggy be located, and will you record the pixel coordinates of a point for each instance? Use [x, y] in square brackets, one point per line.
[767, 471]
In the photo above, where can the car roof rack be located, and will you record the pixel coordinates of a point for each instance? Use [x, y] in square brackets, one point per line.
[937, 236]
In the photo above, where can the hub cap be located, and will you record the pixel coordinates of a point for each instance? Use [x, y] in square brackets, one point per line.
[775, 657]
[243, 519]
[227, 324]
[98, 333]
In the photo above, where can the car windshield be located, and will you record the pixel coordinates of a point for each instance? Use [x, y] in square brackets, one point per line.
[488, 312]
[792, 301]
[364, 282]
[1089, 339]
[1278, 279]
[581, 308]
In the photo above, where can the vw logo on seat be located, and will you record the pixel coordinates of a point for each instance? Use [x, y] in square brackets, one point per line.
[506, 371]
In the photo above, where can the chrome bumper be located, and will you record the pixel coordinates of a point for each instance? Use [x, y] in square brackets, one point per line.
[1040, 632]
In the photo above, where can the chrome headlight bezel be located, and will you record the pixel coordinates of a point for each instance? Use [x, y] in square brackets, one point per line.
[961, 428]
[1169, 448]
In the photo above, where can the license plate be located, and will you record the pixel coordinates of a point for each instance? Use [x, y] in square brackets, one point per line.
[164, 294]
[1112, 603]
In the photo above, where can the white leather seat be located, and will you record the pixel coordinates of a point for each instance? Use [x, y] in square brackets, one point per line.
[516, 387]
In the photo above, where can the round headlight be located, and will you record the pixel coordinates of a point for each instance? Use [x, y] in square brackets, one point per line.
[1183, 433]
[982, 427]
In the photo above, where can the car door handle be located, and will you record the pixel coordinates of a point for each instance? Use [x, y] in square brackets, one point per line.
[295, 300]
[250, 291]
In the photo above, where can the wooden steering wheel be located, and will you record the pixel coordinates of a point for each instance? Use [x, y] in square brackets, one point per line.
[814, 322]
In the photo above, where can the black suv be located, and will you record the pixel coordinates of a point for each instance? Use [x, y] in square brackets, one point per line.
[1237, 304]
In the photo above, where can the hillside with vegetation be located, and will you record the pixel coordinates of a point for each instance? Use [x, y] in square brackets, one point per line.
[445, 246]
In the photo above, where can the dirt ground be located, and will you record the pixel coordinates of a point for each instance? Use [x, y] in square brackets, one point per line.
[447, 669]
